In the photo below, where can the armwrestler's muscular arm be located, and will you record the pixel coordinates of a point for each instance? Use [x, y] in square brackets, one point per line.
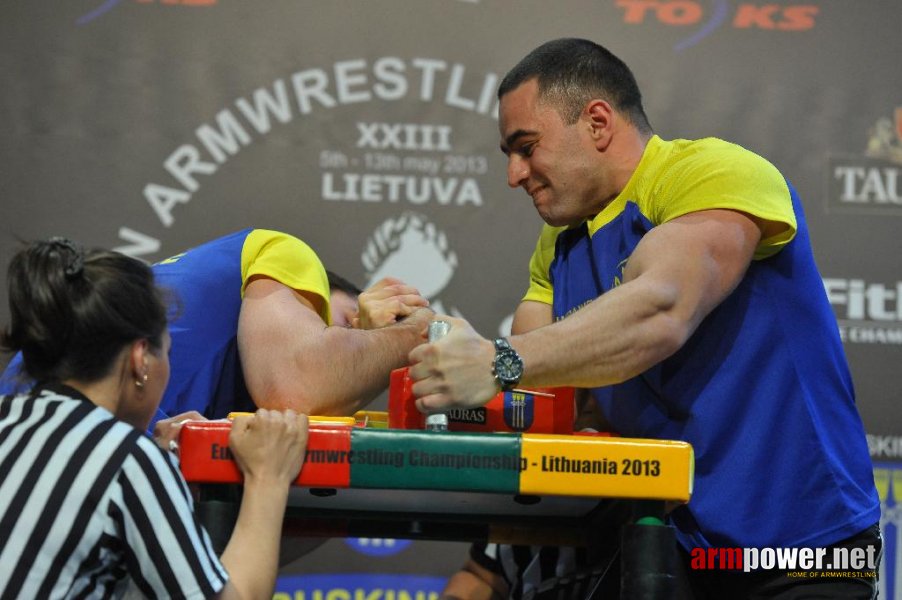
[291, 359]
[676, 275]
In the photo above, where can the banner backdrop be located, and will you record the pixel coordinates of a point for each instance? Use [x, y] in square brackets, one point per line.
[369, 129]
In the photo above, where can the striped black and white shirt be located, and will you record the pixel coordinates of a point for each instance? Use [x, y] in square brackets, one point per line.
[90, 506]
[562, 572]
[549, 572]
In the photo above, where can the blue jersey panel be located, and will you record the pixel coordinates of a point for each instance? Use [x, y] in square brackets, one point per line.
[761, 390]
[206, 286]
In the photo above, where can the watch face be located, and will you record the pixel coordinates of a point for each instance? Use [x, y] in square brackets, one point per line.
[508, 367]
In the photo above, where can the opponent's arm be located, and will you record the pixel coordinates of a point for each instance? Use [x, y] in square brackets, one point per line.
[291, 359]
[386, 302]
[677, 274]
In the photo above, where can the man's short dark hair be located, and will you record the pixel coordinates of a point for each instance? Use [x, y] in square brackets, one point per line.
[339, 283]
[570, 72]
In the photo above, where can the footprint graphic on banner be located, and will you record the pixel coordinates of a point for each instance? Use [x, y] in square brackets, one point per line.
[411, 248]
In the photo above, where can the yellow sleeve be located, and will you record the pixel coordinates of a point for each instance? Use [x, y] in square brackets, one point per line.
[731, 177]
[289, 261]
[540, 288]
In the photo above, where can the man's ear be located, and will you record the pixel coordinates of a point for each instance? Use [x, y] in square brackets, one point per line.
[599, 115]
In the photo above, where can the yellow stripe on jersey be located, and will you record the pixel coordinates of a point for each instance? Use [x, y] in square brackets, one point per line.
[678, 177]
[289, 261]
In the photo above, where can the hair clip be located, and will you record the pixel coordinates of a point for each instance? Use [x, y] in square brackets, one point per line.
[76, 265]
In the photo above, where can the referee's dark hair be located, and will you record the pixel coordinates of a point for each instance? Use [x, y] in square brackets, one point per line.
[571, 71]
[72, 312]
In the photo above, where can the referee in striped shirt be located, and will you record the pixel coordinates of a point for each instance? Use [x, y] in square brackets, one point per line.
[89, 506]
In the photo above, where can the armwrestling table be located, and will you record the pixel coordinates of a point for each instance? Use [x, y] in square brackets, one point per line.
[362, 479]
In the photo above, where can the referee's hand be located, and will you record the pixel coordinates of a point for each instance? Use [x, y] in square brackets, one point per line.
[166, 431]
[269, 445]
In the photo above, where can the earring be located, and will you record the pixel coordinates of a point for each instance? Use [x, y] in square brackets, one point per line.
[139, 383]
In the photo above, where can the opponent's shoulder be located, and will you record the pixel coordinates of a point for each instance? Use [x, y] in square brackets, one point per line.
[265, 246]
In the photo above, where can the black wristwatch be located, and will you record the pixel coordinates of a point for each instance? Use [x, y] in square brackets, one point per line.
[507, 366]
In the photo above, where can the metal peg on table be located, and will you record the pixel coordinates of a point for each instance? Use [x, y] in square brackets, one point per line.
[437, 421]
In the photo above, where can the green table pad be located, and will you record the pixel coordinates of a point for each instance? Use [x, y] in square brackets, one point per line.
[434, 460]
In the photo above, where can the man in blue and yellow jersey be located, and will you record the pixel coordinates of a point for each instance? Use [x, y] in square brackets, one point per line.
[252, 329]
[257, 322]
[676, 280]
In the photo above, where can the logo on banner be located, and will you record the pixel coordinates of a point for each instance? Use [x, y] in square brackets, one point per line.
[870, 184]
[394, 164]
[377, 546]
[518, 410]
[477, 416]
[109, 5]
[885, 447]
[345, 586]
[714, 14]
[867, 312]
[415, 250]
[403, 162]
[888, 477]
[391, 162]
[885, 139]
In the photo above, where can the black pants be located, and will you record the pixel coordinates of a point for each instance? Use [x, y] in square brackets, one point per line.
[783, 585]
